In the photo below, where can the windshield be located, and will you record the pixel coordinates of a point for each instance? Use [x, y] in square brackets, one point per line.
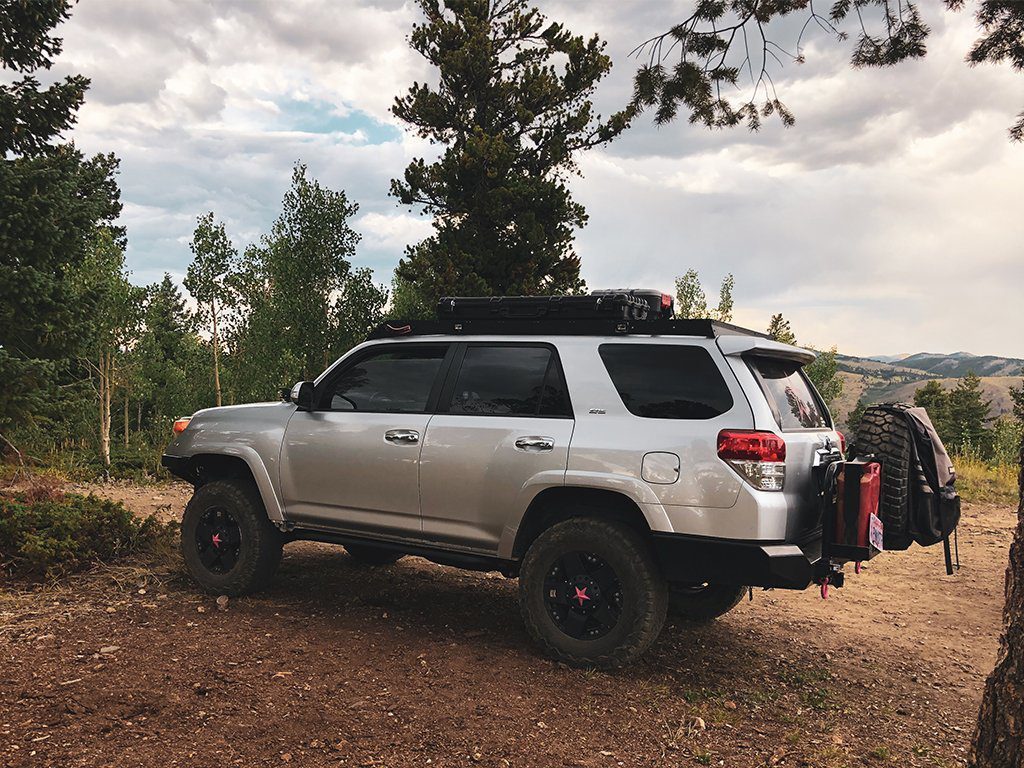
[789, 394]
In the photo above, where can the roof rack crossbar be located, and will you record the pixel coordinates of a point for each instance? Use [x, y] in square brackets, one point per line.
[554, 326]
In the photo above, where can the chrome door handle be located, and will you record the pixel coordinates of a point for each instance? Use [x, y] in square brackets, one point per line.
[535, 444]
[402, 436]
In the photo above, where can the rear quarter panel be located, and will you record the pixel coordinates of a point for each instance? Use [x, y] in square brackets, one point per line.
[801, 489]
[609, 443]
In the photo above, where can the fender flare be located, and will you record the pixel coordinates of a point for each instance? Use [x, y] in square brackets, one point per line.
[631, 488]
[244, 453]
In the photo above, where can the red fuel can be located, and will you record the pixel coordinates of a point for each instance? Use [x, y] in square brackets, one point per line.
[856, 524]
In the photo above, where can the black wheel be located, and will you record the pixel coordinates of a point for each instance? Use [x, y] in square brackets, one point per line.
[591, 594]
[703, 602]
[228, 542]
[367, 554]
[886, 435]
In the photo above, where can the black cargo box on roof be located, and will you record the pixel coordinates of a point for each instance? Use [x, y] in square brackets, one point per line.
[620, 305]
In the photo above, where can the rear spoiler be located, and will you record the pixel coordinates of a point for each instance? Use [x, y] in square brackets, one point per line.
[737, 346]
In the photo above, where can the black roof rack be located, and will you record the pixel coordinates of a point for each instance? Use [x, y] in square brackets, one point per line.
[557, 326]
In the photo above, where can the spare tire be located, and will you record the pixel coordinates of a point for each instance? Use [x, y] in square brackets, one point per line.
[883, 433]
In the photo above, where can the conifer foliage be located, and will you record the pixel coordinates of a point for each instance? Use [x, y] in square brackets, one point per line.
[716, 64]
[512, 109]
[52, 202]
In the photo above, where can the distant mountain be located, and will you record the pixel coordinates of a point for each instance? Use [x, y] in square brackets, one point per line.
[887, 358]
[961, 363]
[896, 379]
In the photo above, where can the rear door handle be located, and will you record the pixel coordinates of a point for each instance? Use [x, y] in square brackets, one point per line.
[402, 436]
[535, 444]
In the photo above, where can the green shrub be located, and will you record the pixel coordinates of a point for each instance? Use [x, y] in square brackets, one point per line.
[44, 537]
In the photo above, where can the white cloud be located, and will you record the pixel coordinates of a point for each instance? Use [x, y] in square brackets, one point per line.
[886, 220]
[392, 231]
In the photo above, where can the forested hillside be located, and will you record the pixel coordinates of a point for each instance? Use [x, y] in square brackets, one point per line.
[872, 380]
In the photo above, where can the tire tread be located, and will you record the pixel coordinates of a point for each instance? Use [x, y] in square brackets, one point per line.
[648, 625]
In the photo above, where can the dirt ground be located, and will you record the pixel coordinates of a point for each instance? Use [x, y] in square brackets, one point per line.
[420, 665]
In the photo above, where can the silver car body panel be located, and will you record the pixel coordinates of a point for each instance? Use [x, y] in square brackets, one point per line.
[251, 432]
[465, 485]
[474, 478]
[338, 469]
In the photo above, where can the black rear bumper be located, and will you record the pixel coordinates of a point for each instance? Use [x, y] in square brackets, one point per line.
[726, 561]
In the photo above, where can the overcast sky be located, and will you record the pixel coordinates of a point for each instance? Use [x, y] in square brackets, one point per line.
[889, 219]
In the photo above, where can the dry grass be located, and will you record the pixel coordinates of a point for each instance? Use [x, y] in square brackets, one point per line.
[978, 481]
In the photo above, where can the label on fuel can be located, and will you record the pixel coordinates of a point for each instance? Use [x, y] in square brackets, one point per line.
[875, 532]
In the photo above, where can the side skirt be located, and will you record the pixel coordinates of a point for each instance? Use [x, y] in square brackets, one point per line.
[465, 560]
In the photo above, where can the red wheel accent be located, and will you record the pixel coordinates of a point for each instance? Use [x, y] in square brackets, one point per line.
[824, 589]
[856, 567]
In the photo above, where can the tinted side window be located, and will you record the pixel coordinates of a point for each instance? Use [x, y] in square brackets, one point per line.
[789, 394]
[393, 381]
[667, 381]
[509, 381]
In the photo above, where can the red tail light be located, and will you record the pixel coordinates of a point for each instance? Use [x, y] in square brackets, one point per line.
[747, 445]
[180, 424]
[758, 457]
[666, 301]
[842, 442]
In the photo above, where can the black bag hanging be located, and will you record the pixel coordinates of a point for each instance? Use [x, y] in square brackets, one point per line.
[919, 499]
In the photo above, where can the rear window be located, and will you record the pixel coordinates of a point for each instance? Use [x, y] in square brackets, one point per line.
[789, 394]
[508, 380]
[667, 381]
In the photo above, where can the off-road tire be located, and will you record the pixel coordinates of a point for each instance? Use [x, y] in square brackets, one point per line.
[701, 604]
[260, 542]
[885, 435]
[367, 554]
[644, 592]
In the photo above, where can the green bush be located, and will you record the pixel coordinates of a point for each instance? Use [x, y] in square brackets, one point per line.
[44, 537]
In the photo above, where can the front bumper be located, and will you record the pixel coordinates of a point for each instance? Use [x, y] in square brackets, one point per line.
[695, 559]
[180, 466]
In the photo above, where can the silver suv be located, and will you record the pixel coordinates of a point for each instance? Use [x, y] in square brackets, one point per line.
[619, 469]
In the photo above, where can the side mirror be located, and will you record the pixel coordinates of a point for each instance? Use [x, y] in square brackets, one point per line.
[302, 395]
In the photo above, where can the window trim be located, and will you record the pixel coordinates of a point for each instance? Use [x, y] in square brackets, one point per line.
[715, 364]
[324, 387]
[444, 402]
[774, 407]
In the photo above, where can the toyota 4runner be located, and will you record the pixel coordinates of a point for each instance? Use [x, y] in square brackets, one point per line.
[619, 467]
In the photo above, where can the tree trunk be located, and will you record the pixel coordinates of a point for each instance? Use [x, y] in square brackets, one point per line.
[105, 378]
[126, 418]
[998, 737]
[216, 354]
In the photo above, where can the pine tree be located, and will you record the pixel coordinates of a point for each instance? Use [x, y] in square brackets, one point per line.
[168, 358]
[1017, 396]
[52, 200]
[512, 110]
[853, 418]
[969, 417]
[780, 330]
[934, 399]
[699, 61]
[32, 117]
